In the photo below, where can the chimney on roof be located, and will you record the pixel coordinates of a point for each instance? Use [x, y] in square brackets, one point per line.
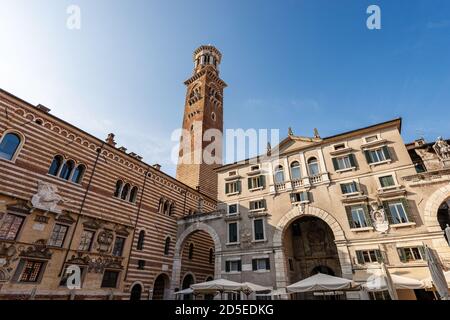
[157, 166]
[110, 140]
[43, 108]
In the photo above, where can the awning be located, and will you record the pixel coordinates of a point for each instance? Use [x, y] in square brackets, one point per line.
[378, 283]
[322, 282]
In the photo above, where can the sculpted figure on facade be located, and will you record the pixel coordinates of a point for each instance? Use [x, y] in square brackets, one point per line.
[47, 198]
[442, 149]
[379, 220]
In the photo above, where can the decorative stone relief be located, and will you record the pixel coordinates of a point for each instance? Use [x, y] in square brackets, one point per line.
[104, 240]
[38, 250]
[442, 149]
[8, 255]
[47, 198]
[380, 223]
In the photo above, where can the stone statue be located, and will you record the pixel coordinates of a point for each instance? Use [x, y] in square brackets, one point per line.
[47, 197]
[442, 149]
[290, 132]
[269, 149]
[379, 220]
[316, 133]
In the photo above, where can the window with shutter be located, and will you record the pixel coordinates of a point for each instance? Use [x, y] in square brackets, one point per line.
[386, 152]
[335, 164]
[402, 255]
[359, 257]
[352, 160]
[254, 264]
[408, 211]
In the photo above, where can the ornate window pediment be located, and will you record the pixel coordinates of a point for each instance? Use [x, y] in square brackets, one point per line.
[38, 250]
[92, 224]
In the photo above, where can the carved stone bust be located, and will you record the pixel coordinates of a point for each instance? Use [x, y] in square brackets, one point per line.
[379, 220]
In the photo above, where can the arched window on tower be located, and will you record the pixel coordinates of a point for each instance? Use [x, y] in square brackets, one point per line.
[171, 209]
[125, 191]
[166, 207]
[78, 173]
[67, 169]
[119, 185]
[56, 165]
[141, 239]
[133, 194]
[9, 145]
[161, 206]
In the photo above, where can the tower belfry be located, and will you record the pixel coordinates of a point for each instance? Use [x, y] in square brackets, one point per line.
[201, 141]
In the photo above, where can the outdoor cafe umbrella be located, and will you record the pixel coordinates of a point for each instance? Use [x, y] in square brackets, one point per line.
[437, 274]
[322, 282]
[219, 285]
[253, 287]
[378, 283]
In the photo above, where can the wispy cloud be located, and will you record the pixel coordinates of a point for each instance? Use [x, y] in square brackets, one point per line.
[438, 24]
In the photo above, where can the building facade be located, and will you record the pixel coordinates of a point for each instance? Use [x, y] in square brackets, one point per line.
[74, 205]
[340, 205]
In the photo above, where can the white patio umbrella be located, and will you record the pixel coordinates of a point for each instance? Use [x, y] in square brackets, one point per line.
[437, 274]
[184, 291]
[378, 283]
[219, 285]
[256, 287]
[322, 282]
[180, 293]
[253, 287]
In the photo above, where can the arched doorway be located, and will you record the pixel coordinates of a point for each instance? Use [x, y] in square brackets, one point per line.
[188, 280]
[193, 254]
[443, 216]
[160, 287]
[322, 269]
[309, 249]
[136, 292]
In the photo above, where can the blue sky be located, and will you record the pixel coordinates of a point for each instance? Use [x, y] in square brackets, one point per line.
[302, 64]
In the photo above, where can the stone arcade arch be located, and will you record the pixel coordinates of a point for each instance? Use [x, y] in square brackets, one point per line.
[195, 227]
[432, 207]
[285, 222]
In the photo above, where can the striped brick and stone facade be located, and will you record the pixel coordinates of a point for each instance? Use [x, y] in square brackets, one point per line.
[68, 198]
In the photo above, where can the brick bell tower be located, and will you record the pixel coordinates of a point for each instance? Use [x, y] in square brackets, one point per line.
[203, 119]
